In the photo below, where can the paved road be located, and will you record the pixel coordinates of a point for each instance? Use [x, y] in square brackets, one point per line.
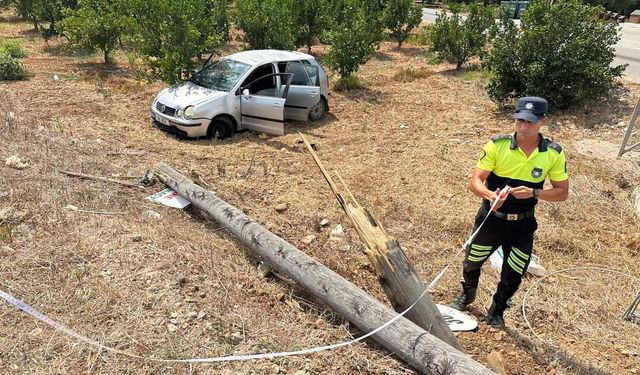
[627, 49]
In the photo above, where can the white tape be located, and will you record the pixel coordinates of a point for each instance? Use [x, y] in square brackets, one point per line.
[248, 357]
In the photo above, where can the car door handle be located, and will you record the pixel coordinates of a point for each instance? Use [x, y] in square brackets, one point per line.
[312, 93]
[276, 104]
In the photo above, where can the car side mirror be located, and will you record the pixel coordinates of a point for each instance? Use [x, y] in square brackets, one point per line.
[245, 93]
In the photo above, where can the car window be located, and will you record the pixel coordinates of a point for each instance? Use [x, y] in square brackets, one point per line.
[268, 85]
[220, 75]
[303, 74]
[258, 72]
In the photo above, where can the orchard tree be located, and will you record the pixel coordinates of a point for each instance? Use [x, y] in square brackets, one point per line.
[561, 52]
[401, 17]
[456, 40]
[266, 23]
[96, 24]
[357, 34]
[312, 18]
[170, 34]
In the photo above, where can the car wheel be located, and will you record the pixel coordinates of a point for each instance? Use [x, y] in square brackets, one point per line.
[220, 128]
[317, 110]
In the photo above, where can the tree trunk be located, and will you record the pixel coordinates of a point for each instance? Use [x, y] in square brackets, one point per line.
[417, 347]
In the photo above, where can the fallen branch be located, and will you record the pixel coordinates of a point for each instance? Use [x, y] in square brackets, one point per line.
[416, 346]
[99, 178]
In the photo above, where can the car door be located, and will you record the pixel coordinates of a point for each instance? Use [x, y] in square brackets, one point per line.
[262, 103]
[304, 92]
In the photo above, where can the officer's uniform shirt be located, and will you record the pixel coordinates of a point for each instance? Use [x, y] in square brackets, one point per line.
[509, 165]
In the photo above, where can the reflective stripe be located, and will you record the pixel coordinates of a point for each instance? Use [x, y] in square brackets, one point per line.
[479, 253]
[516, 260]
[481, 247]
[515, 268]
[520, 253]
[476, 259]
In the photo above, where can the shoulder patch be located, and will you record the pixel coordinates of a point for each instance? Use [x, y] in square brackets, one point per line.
[496, 138]
[554, 146]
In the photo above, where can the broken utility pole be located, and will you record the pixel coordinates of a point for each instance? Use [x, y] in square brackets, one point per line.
[397, 276]
[414, 345]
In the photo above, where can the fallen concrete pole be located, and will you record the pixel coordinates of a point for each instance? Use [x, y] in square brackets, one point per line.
[414, 345]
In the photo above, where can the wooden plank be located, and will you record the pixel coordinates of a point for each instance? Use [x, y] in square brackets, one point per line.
[424, 352]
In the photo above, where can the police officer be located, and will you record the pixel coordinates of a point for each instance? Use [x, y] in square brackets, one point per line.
[522, 161]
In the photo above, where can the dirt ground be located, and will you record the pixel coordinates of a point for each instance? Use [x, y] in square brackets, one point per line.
[166, 283]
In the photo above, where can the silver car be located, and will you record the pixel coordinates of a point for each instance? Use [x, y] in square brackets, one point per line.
[247, 90]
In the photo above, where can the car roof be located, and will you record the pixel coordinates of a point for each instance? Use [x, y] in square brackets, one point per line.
[261, 56]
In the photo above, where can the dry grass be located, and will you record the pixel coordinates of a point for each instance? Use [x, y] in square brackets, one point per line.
[404, 148]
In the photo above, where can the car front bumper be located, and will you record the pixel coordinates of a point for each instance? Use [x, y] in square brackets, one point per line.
[187, 128]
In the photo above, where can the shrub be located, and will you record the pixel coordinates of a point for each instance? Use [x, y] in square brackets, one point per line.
[400, 17]
[11, 69]
[266, 23]
[13, 48]
[357, 33]
[562, 52]
[457, 40]
[421, 37]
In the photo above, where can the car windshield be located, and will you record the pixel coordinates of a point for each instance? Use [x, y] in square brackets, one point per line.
[220, 75]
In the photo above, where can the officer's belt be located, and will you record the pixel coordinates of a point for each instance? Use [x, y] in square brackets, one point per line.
[514, 217]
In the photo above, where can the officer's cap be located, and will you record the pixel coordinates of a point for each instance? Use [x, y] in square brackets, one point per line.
[530, 108]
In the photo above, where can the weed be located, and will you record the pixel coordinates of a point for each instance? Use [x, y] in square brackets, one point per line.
[442, 151]
[6, 233]
[351, 82]
[222, 170]
[421, 38]
[410, 74]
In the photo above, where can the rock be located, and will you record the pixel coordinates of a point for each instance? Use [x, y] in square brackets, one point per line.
[192, 315]
[172, 327]
[308, 239]
[202, 315]
[263, 136]
[15, 162]
[324, 223]
[135, 237]
[71, 207]
[152, 215]
[264, 269]
[337, 231]
[496, 363]
[236, 337]
[181, 278]
[319, 323]
[55, 77]
[500, 335]
[280, 296]
[202, 294]
[281, 207]
[300, 372]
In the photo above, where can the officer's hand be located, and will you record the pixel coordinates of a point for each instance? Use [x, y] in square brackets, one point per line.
[501, 199]
[522, 192]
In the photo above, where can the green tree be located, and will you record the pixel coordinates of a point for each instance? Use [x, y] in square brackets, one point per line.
[457, 40]
[624, 7]
[39, 12]
[354, 37]
[95, 24]
[266, 23]
[312, 18]
[401, 17]
[561, 52]
[169, 34]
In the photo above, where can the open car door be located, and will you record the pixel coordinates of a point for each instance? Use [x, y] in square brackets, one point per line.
[262, 103]
[304, 92]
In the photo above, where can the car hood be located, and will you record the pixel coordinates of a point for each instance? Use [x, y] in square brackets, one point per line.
[186, 94]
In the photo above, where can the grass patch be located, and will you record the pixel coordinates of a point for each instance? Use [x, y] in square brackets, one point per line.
[67, 49]
[348, 83]
[410, 73]
[475, 73]
[420, 38]
[13, 48]
[433, 59]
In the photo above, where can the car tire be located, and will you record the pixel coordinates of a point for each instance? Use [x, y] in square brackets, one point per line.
[317, 111]
[220, 128]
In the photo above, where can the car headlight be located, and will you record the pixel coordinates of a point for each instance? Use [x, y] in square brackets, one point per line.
[188, 112]
[179, 113]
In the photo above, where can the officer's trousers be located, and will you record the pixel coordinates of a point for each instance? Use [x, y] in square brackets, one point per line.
[516, 239]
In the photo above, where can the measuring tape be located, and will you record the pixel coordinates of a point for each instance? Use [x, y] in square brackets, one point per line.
[248, 357]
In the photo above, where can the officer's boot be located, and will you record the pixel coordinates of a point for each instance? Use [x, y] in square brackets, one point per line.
[464, 299]
[494, 316]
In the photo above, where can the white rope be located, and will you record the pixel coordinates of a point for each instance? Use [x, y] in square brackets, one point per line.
[61, 327]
